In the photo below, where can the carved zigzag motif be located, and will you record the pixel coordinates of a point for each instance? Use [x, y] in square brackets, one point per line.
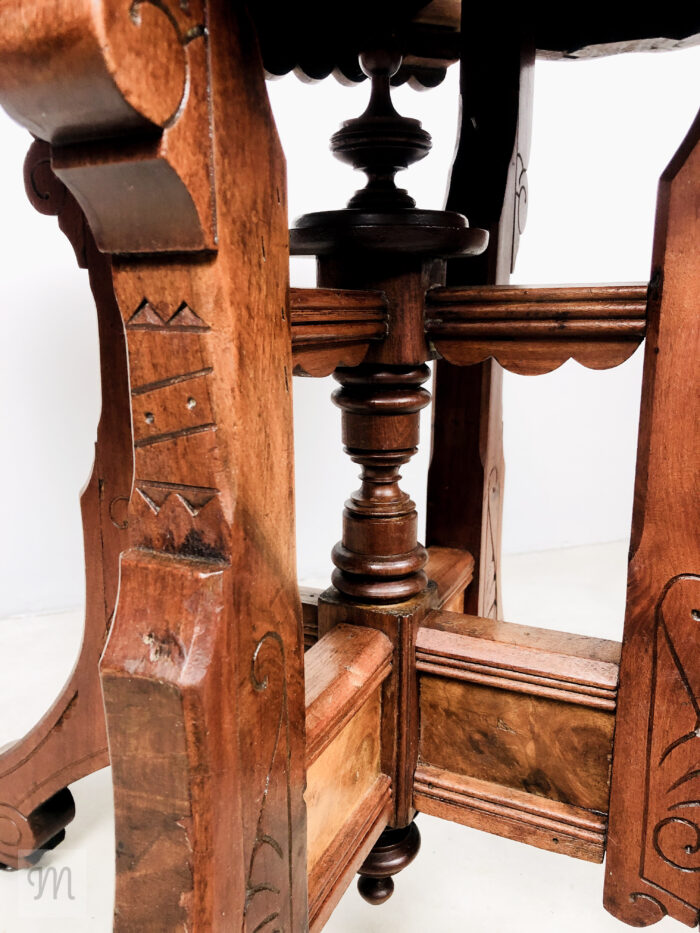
[149, 317]
[156, 494]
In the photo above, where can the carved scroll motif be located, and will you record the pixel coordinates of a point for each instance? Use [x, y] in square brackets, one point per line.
[671, 854]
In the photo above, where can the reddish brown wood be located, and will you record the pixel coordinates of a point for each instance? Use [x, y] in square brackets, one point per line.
[505, 811]
[489, 184]
[516, 730]
[379, 558]
[348, 797]
[653, 864]
[70, 740]
[535, 330]
[341, 671]
[452, 572]
[333, 327]
[203, 672]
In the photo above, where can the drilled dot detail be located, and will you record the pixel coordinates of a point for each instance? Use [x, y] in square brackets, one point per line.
[149, 417]
[191, 402]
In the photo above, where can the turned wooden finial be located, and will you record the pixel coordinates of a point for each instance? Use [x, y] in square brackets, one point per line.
[381, 142]
[394, 850]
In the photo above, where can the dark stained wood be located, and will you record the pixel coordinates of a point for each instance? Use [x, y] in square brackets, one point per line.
[394, 850]
[535, 330]
[489, 184]
[309, 614]
[653, 861]
[333, 327]
[512, 719]
[70, 740]
[319, 39]
[452, 572]
[379, 558]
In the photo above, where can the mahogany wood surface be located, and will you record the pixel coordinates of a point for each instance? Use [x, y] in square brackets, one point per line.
[516, 726]
[489, 184]
[70, 740]
[653, 866]
[333, 327]
[534, 330]
[203, 672]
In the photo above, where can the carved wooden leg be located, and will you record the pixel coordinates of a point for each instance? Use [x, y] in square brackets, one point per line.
[203, 672]
[70, 740]
[465, 481]
[653, 862]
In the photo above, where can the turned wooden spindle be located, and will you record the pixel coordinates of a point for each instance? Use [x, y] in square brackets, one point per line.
[379, 558]
[382, 241]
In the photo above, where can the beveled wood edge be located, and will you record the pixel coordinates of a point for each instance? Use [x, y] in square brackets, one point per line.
[534, 329]
[334, 327]
[572, 669]
[341, 670]
[537, 821]
[336, 868]
[452, 569]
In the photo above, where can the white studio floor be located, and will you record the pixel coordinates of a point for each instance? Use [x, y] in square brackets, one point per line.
[462, 880]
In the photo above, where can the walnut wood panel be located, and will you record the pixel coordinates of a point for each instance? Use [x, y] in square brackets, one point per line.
[400, 624]
[341, 671]
[535, 330]
[333, 327]
[503, 811]
[348, 799]
[488, 184]
[653, 865]
[528, 715]
[337, 866]
[203, 671]
[70, 740]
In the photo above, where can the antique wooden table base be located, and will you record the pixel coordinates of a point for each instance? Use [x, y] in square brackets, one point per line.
[252, 782]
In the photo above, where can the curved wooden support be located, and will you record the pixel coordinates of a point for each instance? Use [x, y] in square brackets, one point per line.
[77, 73]
[535, 330]
[334, 327]
[70, 741]
[203, 673]
[653, 861]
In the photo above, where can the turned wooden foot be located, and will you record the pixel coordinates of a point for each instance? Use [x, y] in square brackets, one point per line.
[393, 851]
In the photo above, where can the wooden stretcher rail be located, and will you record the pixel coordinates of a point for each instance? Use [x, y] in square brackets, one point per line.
[334, 327]
[348, 798]
[516, 730]
[535, 329]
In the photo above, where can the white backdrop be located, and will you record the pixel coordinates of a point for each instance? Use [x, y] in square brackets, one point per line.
[603, 132]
